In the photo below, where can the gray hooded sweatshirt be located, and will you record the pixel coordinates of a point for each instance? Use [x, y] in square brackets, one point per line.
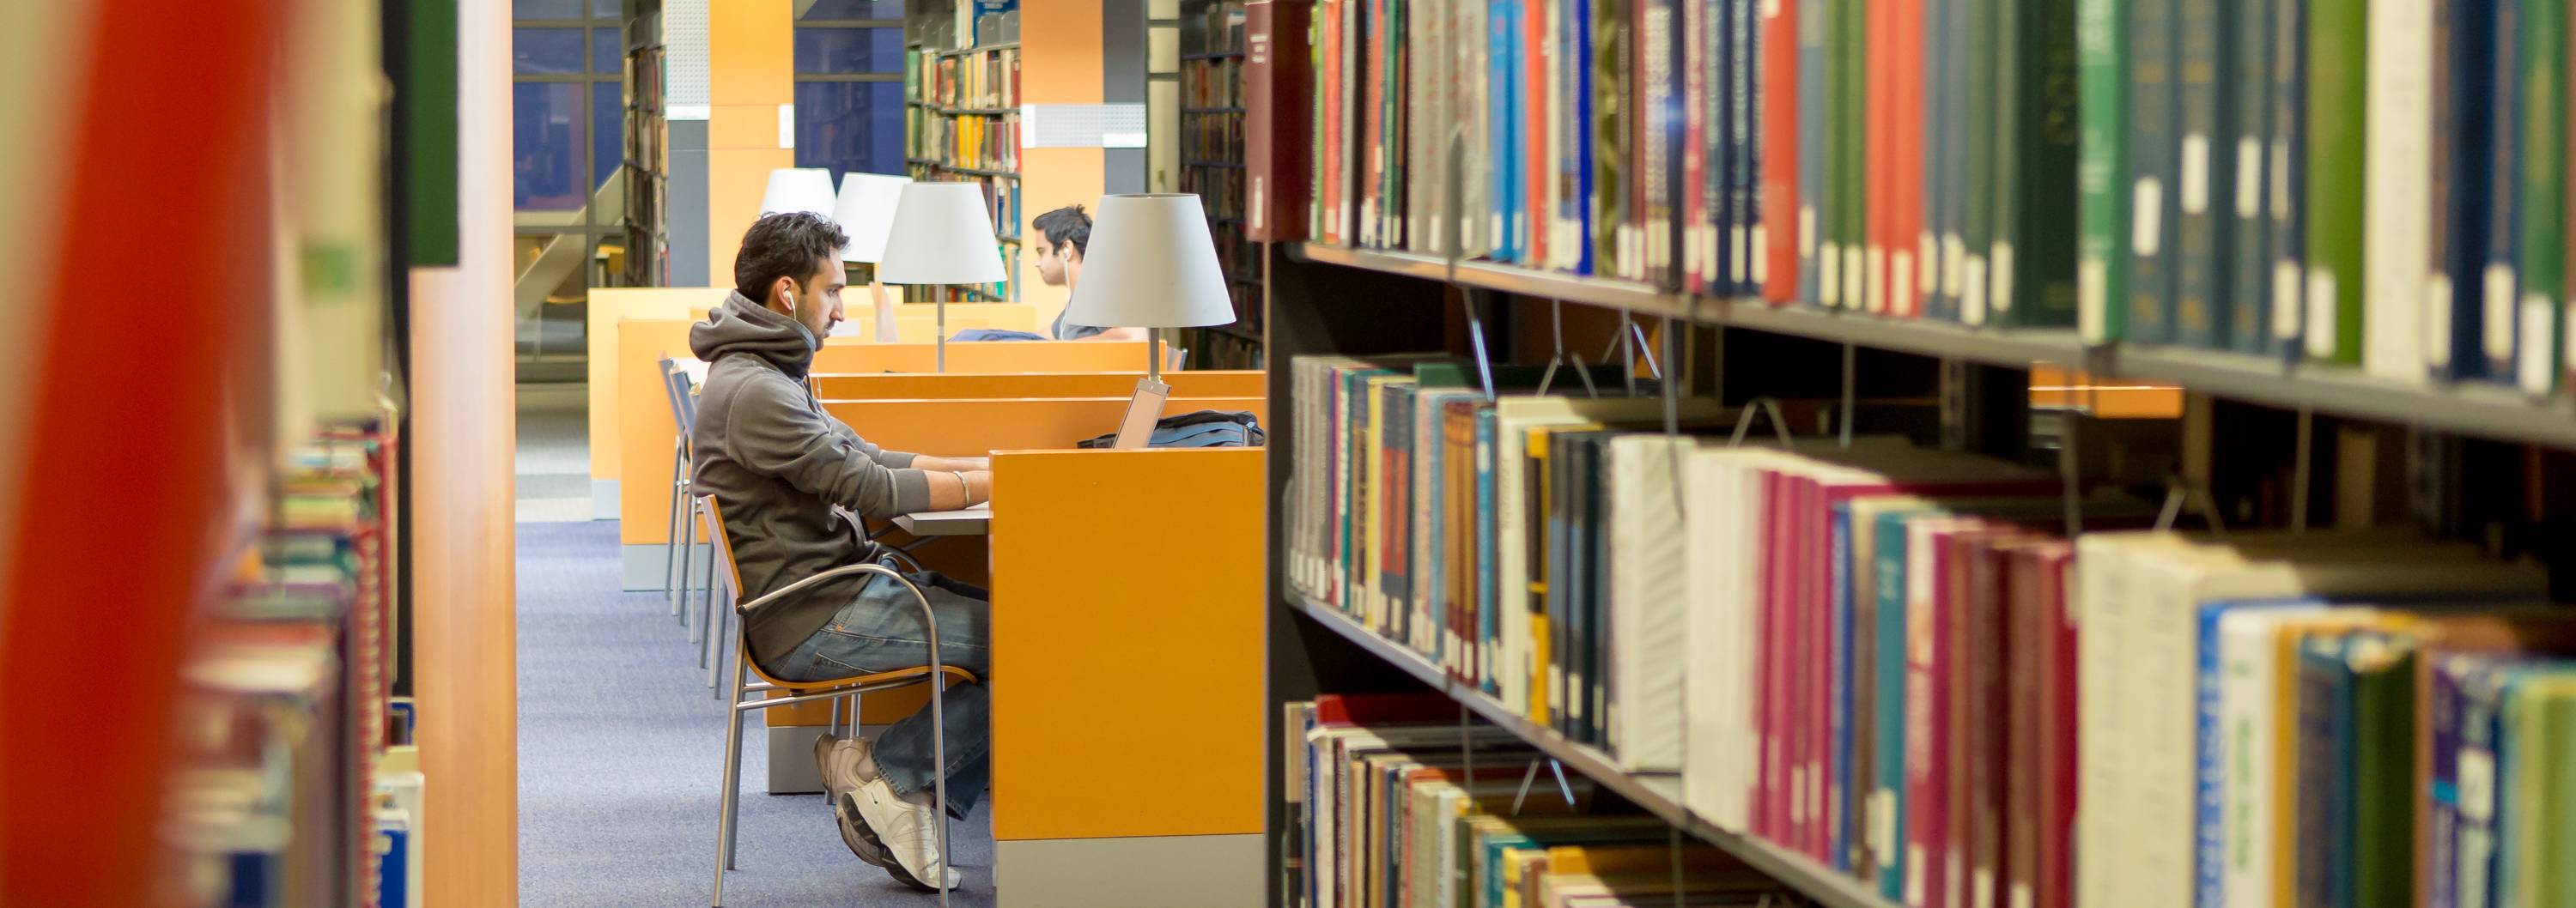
[776, 464]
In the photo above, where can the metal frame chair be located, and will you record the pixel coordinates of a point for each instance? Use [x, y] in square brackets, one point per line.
[682, 524]
[810, 691]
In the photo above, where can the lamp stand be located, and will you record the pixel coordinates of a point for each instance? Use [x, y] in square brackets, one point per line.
[1153, 358]
[941, 356]
[885, 310]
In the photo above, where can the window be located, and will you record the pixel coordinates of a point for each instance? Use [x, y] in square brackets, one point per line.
[565, 141]
[849, 87]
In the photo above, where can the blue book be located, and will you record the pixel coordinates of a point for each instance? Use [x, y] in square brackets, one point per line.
[2463, 127]
[1578, 17]
[1718, 150]
[1811, 148]
[1744, 142]
[393, 862]
[2210, 746]
[2289, 196]
[2499, 293]
[2249, 262]
[1889, 717]
[2154, 121]
[2326, 774]
[2444, 705]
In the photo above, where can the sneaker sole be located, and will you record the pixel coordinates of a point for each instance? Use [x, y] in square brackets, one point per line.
[846, 809]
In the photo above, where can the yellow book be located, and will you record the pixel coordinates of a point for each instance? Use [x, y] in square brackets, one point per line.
[1543, 672]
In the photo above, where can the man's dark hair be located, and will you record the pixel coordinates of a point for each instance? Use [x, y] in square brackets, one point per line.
[1066, 225]
[784, 245]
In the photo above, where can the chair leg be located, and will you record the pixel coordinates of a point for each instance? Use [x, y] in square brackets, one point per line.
[939, 770]
[707, 620]
[725, 629]
[670, 556]
[732, 789]
[733, 807]
[688, 541]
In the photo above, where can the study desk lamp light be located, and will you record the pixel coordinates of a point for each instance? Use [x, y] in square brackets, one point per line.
[942, 234]
[1150, 265]
[865, 211]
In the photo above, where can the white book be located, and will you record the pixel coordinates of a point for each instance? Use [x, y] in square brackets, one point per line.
[2398, 167]
[2101, 574]
[2249, 745]
[1719, 524]
[1647, 596]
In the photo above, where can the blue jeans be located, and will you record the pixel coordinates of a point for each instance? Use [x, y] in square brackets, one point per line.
[880, 631]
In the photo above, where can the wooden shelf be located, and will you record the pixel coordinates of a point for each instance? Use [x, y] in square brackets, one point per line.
[1658, 793]
[1215, 55]
[1214, 110]
[2467, 408]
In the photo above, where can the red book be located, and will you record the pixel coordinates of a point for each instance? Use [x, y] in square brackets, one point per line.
[1384, 709]
[1373, 148]
[1905, 228]
[1815, 625]
[1330, 16]
[1927, 708]
[2055, 880]
[1278, 129]
[1697, 64]
[1779, 82]
[1538, 193]
[1767, 818]
[1983, 643]
[2029, 629]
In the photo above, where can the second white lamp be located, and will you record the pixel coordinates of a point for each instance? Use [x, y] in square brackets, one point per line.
[1150, 265]
[942, 234]
[797, 189]
[865, 211]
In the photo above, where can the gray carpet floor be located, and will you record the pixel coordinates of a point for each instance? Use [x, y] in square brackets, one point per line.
[621, 754]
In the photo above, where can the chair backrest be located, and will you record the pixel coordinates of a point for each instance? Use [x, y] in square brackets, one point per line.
[722, 544]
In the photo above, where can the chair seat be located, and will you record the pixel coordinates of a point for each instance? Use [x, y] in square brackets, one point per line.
[958, 675]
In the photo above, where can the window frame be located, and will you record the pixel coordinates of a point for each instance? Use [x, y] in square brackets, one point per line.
[801, 76]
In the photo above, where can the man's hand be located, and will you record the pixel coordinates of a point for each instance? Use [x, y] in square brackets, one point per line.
[954, 489]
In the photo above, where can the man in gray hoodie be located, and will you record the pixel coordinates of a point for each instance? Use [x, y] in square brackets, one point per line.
[779, 466]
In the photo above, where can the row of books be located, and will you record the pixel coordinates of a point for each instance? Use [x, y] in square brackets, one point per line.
[1217, 26]
[1389, 809]
[976, 141]
[273, 803]
[2380, 185]
[1885, 658]
[1215, 138]
[977, 79]
[1212, 83]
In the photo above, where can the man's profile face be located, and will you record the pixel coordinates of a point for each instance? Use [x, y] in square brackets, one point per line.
[1050, 265]
[818, 297]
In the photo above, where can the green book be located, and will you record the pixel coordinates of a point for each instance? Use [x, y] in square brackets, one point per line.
[1977, 221]
[1612, 29]
[2337, 110]
[2151, 169]
[2102, 78]
[2543, 183]
[2557, 832]
[2249, 263]
[1851, 140]
[2383, 803]
[2034, 253]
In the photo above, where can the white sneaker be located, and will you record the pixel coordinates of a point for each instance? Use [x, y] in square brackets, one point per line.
[904, 826]
[845, 765]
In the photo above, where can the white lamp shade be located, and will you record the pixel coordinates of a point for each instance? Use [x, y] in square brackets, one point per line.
[798, 189]
[1150, 264]
[866, 212]
[941, 235]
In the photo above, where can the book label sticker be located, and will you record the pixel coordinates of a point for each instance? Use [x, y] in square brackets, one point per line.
[1807, 232]
[1851, 272]
[2321, 312]
[1761, 262]
[2249, 178]
[2537, 365]
[2499, 312]
[1926, 259]
[2093, 298]
[1900, 297]
[1914, 875]
[1770, 9]
[2437, 320]
[2477, 785]
[1972, 299]
[1882, 827]
[2285, 293]
[2146, 204]
[2003, 259]
[1982, 892]
[2021, 896]
[1829, 276]
[2195, 174]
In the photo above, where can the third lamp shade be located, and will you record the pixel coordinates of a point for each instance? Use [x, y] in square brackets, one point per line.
[1150, 264]
[941, 234]
[798, 189]
[866, 212]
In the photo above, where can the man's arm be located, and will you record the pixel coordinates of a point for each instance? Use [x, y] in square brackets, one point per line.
[770, 432]
[952, 490]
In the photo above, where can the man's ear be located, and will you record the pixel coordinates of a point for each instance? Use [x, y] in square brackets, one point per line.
[784, 288]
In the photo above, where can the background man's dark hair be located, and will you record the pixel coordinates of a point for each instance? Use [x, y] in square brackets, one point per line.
[1066, 225]
[784, 245]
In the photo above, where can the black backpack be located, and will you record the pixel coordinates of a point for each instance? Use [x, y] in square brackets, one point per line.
[1200, 429]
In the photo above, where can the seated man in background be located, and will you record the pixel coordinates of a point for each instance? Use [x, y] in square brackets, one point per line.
[777, 465]
[1067, 232]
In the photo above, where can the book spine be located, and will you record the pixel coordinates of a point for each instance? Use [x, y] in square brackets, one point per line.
[1277, 78]
[2290, 189]
[2384, 795]
[1813, 26]
[1888, 831]
[2337, 126]
[1933, 51]
[2055, 883]
[1989, 53]
[2501, 285]
[1986, 718]
[1816, 703]
[1744, 235]
[1716, 144]
[2209, 860]
[2456, 230]
[1703, 76]
[2443, 707]
[1906, 243]
[2153, 120]
[1927, 739]
[2204, 177]
[2398, 167]
[1536, 66]
[2543, 183]
[1777, 50]
[1949, 88]
[1853, 137]
[2249, 258]
[1877, 153]
[1839, 842]
[2035, 256]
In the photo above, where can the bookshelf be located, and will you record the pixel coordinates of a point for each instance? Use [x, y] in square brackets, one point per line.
[1212, 156]
[962, 123]
[1676, 244]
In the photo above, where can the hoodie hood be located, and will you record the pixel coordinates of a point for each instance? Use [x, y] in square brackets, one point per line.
[742, 326]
